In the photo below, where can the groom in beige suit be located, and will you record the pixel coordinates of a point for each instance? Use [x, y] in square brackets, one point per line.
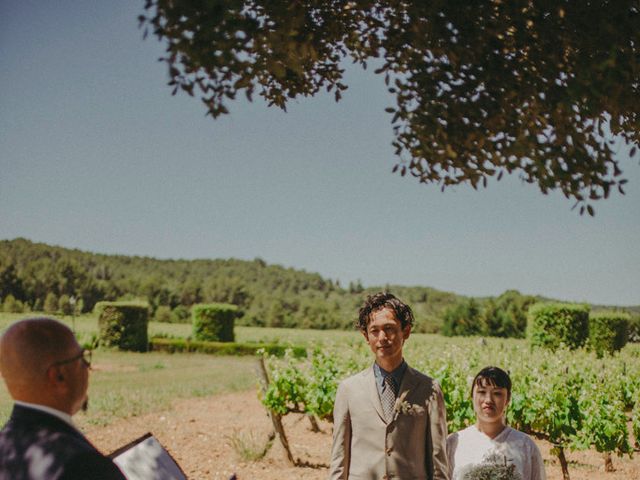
[389, 420]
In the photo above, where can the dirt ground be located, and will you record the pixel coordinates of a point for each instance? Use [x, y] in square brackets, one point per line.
[198, 433]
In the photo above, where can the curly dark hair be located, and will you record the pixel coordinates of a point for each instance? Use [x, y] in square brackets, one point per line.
[493, 376]
[381, 300]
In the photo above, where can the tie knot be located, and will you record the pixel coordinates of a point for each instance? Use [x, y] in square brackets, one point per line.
[389, 383]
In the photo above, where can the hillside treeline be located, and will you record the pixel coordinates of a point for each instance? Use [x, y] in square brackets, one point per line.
[40, 277]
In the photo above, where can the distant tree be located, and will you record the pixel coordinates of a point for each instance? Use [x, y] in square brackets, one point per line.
[38, 305]
[11, 305]
[89, 294]
[163, 314]
[180, 314]
[228, 290]
[69, 276]
[79, 306]
[356, 287]
[154, 290]
[506, 315]
[482, 88]
[10, 283]
[463, 319]
[64, 305]
[494, 320]
[515, 305]
[51, 303]
[190, 293]
[278, 314]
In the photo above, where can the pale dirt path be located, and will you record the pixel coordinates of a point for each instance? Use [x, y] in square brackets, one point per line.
[196, 431]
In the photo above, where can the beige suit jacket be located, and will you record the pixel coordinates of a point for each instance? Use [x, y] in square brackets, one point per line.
[409, 447]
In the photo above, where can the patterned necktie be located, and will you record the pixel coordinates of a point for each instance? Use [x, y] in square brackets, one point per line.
[388, 398]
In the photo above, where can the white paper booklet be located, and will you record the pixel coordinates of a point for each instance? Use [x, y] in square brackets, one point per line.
[146, 459]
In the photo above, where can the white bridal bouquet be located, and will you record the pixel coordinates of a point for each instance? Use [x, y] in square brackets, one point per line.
[493, 467]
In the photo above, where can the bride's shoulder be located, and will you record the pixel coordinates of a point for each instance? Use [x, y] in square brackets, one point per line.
[516, 436]
[470, 431]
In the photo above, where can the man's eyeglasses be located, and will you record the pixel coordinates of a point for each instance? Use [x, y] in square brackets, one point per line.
[84, 354]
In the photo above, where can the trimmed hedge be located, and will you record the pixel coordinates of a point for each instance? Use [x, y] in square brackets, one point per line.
[179, 345]
[608, 331]
[214, 321]
[551, 325]
[123, 325]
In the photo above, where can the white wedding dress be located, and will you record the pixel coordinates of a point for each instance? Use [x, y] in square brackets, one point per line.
[471, 453]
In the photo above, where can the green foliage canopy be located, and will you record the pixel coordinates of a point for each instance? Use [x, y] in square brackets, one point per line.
[504, 316]
[482, 88]
[270, 295]
[463, 319]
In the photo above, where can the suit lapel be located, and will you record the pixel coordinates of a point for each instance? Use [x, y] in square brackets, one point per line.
[374, 396]
[408, 381]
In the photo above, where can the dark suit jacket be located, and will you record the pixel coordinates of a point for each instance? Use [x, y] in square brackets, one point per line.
[37, 446]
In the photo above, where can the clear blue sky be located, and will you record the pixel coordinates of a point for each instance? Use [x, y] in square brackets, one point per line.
[96, 154]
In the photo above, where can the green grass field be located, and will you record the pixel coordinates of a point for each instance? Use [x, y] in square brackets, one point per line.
[86, 327]
[125, 384]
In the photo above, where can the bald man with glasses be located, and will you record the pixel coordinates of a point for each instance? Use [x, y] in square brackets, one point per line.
[47, 375]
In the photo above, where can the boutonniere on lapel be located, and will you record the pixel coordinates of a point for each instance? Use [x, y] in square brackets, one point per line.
[402, 407]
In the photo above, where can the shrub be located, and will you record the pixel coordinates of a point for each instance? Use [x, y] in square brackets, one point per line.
[163, 314]
[608, 331]
[64, 305]
[214, 321]
[51, 303]
[551, 325]
[247, 446]
[180, 314]
[38, 305]
[11, 305]
[123, 325]
[181, 345]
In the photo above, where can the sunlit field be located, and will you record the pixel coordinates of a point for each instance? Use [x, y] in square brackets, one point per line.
[127, 384]
[124, 384]
[86, 328]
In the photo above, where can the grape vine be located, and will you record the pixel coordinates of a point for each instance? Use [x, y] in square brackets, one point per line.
[572, 399]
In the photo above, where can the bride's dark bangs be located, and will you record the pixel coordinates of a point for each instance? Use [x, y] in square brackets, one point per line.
[492, 376]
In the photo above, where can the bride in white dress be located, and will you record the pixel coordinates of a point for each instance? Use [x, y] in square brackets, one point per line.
[490, 448]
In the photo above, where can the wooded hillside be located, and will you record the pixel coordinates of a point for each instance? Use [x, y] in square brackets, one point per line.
[40, 277]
